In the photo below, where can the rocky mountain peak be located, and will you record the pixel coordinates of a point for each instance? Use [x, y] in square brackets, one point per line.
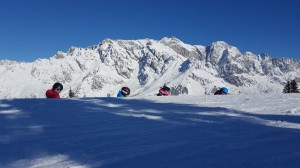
[144, 66]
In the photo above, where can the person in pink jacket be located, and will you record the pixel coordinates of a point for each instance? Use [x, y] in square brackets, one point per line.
[54, 92]
[164, 91]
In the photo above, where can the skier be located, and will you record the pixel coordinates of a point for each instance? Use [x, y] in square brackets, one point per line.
[163, 91]
[54, 92]
[222, 91]
[124, 92]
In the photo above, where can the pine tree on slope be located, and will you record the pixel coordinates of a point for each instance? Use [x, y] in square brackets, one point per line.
[294, 86]
[287, 87]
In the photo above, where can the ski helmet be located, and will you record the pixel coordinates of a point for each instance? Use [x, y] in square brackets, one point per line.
[125, 90]
[166, 88]
[57, 86]
[224, 90]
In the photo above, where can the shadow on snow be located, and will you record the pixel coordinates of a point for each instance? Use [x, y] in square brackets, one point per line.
[116, 132]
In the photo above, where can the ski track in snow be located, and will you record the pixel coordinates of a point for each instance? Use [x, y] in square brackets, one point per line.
[175, 131]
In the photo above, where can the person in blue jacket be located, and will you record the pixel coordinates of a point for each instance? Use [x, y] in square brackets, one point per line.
[124, 92]
[222, 91]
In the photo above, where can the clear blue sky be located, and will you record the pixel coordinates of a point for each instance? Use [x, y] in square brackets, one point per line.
[32, 29]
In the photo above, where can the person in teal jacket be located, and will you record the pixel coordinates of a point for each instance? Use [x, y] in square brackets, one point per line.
[222, 91]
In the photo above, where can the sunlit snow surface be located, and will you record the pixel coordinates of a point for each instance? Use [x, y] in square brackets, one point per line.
[152, 132]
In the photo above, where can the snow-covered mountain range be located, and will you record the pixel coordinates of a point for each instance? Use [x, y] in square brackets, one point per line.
[144, 66]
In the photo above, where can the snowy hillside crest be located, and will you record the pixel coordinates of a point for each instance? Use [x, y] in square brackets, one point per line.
[144, 66]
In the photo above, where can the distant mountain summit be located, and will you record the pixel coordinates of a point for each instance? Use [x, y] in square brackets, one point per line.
[146, 65]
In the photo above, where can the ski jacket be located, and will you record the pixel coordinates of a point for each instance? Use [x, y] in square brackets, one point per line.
[120, 94]
[51, 94]
[219, 92]
[163, 92]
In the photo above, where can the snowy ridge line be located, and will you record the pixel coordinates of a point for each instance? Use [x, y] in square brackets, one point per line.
[144, 66]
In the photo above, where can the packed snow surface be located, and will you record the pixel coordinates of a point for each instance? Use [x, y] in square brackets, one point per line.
[151, 132]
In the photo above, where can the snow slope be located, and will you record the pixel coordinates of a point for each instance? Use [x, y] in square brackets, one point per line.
[176, 131]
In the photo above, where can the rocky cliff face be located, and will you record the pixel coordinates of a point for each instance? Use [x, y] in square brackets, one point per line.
[144, 66]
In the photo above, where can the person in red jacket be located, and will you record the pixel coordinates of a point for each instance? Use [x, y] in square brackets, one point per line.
[54, 92]
[164, 91]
